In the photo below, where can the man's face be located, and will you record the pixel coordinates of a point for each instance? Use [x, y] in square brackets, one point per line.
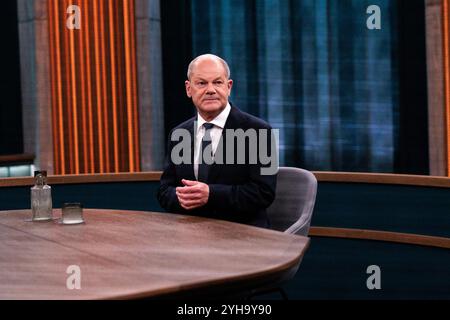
[209, 88]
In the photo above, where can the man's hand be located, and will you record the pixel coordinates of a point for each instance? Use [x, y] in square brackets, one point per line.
[193, 195]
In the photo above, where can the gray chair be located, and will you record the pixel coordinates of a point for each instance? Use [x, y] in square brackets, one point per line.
[291, 212]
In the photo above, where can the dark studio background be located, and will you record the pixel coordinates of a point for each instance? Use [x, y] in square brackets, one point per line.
[10, 103]
[202, 26]
[330, 138]
[411, 152]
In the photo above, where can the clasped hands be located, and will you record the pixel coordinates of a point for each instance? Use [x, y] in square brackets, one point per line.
[193, 194]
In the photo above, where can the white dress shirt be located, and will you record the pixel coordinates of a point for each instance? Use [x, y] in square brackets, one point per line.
[216, 133]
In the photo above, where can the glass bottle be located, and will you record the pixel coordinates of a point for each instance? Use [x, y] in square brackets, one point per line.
[41, 198]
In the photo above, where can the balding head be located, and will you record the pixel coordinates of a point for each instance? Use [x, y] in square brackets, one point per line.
[210, 57]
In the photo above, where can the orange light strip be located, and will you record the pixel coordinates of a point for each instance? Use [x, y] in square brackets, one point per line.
[83, 98]
[129, 92]
[53, 89]
[121, 90]
[446, 31]
[59, 85]
[135, 92]
[73, 84]
[68, 90]
[85, 23]
[104, 84]
[113, 88]
[99, 93]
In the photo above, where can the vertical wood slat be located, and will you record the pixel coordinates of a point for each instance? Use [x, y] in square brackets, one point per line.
[105, 106]
[86, 24]
[437, 139]
[98, 82]
[94, 90]
[66, 80]
[134, 82]
[113, 85]
[446, 43]
[129, 82]
[54, 101]
[84, 127]
[73, 95]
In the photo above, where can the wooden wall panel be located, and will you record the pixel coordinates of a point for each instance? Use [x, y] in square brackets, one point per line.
[435, 74]
[446, 44]
[94, 87]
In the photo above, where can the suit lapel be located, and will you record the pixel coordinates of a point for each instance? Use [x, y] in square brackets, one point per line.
[193, 131]
[187, 169]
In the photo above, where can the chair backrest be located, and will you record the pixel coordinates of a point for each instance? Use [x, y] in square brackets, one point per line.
[293, 206]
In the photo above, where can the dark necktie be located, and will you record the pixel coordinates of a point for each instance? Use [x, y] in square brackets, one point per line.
[203, 168]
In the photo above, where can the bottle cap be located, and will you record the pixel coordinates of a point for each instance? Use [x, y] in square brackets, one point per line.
[44, 173]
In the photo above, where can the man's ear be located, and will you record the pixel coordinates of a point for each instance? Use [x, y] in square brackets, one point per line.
[230, 85]
[187, 84]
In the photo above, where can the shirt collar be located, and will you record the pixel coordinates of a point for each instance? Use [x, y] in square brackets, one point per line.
[218, 121]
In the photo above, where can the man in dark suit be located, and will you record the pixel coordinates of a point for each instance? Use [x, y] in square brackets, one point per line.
[235, 189]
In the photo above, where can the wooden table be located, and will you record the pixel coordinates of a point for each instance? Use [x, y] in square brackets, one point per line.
[134, 254]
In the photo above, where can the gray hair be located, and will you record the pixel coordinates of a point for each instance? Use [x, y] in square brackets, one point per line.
[212, 57]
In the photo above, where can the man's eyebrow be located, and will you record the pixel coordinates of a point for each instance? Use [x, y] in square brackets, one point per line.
[202, 79]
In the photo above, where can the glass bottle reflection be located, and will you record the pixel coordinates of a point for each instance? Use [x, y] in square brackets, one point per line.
[41, 198]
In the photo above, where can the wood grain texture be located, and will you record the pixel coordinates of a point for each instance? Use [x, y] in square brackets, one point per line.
[16, 158]
[407, 238]
[344, 177]
[435, 73]
[383, 178]
[446, 64]
[84, 178]
[130, 254]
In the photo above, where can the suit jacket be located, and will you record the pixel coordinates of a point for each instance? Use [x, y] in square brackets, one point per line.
[238, 192]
